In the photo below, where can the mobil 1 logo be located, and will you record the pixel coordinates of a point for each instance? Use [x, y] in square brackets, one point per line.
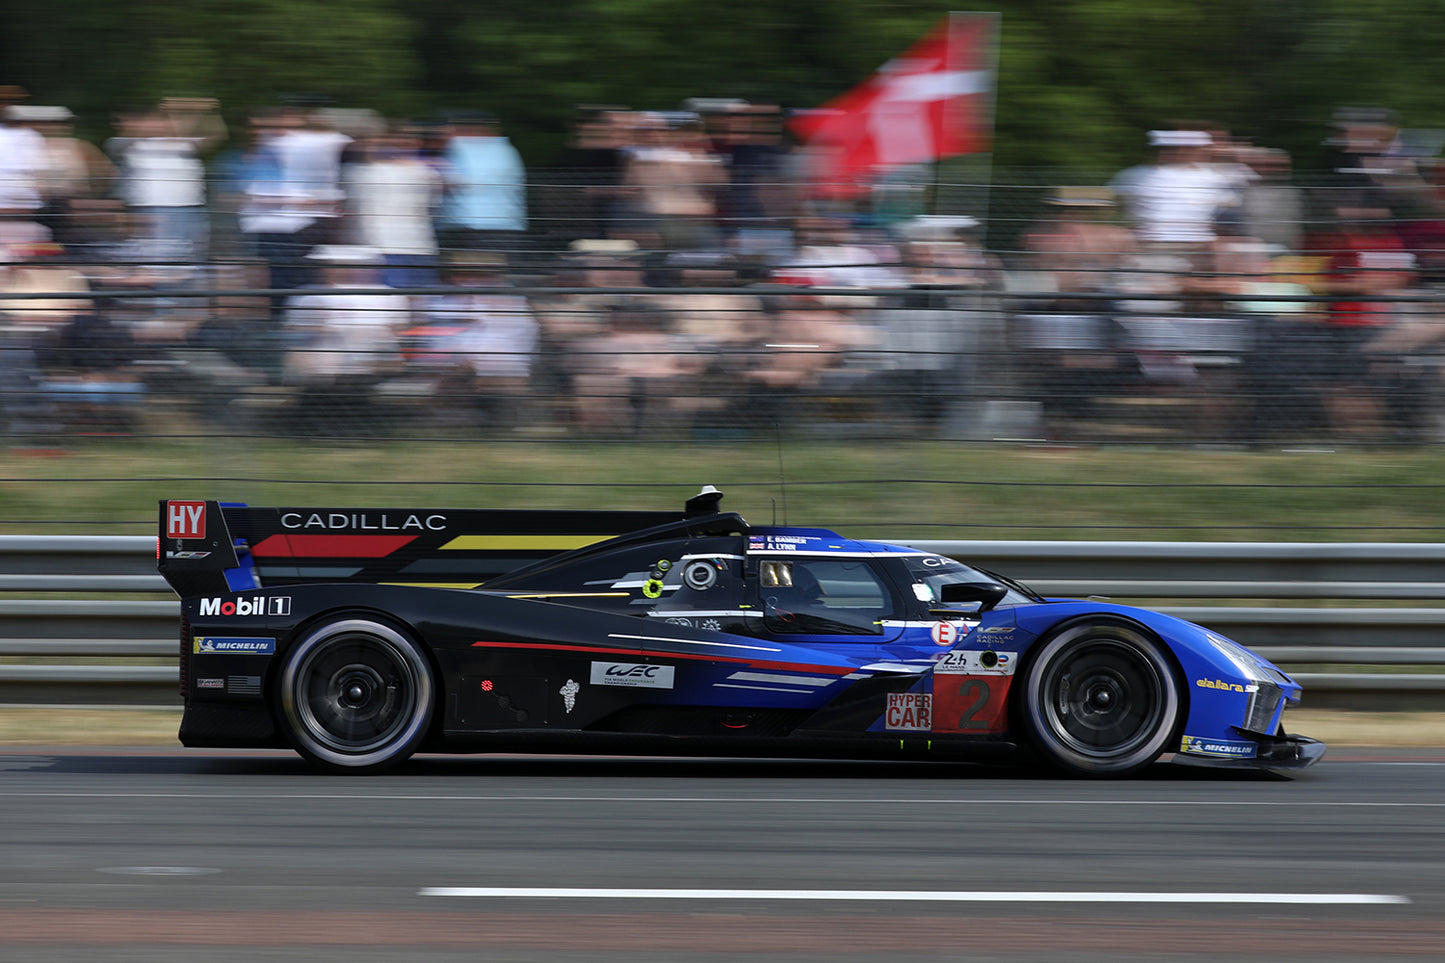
[247, 605]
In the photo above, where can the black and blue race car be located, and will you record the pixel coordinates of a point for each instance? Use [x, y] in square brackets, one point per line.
[361, 636]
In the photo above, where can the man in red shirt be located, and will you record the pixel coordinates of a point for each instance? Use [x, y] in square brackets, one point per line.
[1366, 258]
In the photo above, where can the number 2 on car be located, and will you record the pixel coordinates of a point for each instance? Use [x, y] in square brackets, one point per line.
[963, 703]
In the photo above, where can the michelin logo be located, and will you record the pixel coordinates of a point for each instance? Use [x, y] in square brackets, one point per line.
[214, 645]
[242, 605]
[1201, 746]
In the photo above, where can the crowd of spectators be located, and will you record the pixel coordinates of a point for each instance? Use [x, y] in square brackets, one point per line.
[682, 270]
[1264, 297]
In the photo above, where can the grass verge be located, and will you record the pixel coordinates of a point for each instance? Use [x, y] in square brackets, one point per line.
[869, 488]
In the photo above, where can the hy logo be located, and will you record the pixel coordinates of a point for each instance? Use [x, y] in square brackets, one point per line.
[185, 519]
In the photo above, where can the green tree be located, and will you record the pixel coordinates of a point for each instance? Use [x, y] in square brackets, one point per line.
[1079, 81]
[97, 55]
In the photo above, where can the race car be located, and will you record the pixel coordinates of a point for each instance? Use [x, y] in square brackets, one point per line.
[359, 636]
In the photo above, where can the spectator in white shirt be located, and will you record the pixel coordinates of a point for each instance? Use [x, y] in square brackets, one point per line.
[338, 337]
[396, 192]
[22, 159]
[1174, 203]
[162, 175]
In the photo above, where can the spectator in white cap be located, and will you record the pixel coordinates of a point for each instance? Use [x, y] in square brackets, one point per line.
[1175, 202]
[342, 344]
[22, 159]
[74, 167]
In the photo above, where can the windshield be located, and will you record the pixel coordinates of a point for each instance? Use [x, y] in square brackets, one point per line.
[931, 572]
[833, 596]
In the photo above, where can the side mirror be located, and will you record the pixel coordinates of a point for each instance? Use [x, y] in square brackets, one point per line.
[984, 594]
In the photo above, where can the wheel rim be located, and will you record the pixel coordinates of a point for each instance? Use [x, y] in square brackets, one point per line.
[356, 693]
[1104, 698]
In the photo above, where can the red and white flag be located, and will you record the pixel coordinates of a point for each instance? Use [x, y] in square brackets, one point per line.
[933, 101]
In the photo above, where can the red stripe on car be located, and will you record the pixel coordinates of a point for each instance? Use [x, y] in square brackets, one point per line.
[656, 653]
[329, 546]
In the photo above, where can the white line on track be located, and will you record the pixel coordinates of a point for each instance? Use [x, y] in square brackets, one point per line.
[924, 896]
[891, 801]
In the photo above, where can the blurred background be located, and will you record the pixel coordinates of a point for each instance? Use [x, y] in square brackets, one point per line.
[885, 236]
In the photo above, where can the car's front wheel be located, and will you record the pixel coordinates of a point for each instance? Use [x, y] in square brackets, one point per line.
[356, 695]
[1101, 699]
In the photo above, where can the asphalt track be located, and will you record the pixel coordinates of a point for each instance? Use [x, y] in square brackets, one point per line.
[172, 855]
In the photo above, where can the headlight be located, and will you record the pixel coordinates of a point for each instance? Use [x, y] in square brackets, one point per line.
[1262, 710]
[1248, 664]
[1238, 656]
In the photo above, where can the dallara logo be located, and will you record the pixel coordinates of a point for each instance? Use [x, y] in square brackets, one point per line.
[1225, 686]
[243, 605]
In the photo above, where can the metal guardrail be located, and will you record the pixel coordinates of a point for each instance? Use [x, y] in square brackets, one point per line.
[59, 649]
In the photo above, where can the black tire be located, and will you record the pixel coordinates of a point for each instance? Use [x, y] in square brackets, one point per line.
[1101, 699]
[356, 696]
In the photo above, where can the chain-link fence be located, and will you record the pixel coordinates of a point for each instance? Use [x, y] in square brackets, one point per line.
[1038, 316]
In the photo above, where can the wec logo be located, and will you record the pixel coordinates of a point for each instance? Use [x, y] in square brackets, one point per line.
[637, 675]
[633, 671]
[255, 605]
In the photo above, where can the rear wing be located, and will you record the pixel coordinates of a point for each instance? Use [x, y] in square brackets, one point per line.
[207, 547]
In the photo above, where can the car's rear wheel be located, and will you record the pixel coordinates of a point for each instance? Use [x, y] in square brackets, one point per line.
[1101, 699]
[356, 696]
